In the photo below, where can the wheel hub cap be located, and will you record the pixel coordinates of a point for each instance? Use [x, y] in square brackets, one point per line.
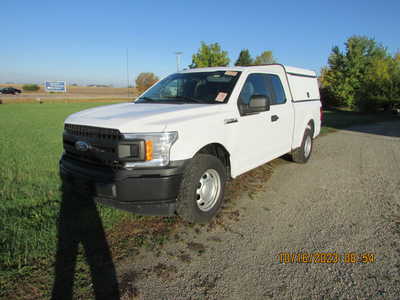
[307, 146]
[208, 190]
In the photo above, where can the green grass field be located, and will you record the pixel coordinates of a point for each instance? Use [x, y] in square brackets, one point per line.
[30, 147]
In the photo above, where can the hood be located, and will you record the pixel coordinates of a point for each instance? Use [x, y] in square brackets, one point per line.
[143, 117]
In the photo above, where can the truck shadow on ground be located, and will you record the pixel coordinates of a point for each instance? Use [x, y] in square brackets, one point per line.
[390, 129]
[79, 223]
[379, 123]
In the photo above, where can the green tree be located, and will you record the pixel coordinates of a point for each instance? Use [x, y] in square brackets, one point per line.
[335, 80]
[265, 58]
[395, 74]
[360, 75]
[244, 58]
[209, 56]
[145, 80]
[382, 84]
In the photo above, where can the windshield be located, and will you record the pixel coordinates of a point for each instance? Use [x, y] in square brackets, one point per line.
[201, 87]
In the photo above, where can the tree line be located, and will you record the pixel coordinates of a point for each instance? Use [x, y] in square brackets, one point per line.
[209, 56]
[212, 55]
[363, 76]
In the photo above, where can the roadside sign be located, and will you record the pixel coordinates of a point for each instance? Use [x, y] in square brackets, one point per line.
[55, 86]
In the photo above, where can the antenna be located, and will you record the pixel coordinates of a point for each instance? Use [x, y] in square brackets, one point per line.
[178, 60]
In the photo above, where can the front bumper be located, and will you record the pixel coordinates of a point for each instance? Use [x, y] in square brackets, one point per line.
[151, 191]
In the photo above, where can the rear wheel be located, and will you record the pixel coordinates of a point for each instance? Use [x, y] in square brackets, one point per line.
[202, 189]
[303, 153]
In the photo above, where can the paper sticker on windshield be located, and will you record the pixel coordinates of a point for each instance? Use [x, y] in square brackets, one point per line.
[231, 73]
[221, 97]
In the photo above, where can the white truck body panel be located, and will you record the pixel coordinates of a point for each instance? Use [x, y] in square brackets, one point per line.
[250, 141]
[303, 88]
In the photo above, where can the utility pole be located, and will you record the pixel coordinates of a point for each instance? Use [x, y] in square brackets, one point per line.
[178, 60]
[127, 70]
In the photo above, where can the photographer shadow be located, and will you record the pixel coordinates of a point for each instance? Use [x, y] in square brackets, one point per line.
[79, 222]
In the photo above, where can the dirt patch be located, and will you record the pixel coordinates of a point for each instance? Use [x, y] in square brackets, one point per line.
[137, 232]
[186, 258]
[164, 271]
[250, 182]
[196, 247]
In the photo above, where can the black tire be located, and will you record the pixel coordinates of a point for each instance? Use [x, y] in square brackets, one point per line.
[299, 154]
[187, 206]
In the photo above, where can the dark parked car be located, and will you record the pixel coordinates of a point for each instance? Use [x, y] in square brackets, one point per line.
[10, 90]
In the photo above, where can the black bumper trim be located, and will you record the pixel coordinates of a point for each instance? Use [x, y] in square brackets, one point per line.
[147, 192]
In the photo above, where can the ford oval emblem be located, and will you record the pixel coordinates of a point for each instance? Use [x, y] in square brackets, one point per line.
[82, 146]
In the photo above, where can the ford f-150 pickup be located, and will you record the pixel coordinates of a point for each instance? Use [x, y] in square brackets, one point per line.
[172, 150]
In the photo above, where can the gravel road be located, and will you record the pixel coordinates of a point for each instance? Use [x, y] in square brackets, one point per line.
[345, 199]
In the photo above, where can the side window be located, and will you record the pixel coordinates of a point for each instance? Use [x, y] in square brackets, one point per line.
[279, 93]
[256, 84]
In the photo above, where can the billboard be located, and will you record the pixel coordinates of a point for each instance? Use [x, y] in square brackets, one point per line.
[55, 86]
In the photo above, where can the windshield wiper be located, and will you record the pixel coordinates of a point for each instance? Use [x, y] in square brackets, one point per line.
[187, 98]
[147, 98]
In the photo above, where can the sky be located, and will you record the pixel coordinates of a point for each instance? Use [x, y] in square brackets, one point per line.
[87, 42]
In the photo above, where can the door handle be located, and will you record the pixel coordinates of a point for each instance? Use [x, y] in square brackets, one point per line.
[231, 120]
[274, 118]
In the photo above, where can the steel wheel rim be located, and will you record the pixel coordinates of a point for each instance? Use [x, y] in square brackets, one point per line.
[307, 146]
[208, 190]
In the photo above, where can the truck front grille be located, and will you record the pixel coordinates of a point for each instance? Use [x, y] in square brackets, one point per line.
[102, 144]
[92, 132]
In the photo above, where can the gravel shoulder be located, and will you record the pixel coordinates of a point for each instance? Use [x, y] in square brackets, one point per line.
[345, 199]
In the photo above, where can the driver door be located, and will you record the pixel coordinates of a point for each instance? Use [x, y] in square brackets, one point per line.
[253, 135]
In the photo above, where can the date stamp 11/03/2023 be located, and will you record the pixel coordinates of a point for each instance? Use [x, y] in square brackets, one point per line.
[326, 257]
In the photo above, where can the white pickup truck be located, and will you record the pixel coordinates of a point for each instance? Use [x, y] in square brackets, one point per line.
[172, 150]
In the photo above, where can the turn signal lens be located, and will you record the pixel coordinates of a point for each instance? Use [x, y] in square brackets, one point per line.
[149, 150]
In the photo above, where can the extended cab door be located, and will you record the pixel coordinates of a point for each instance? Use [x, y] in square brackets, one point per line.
[263, 136]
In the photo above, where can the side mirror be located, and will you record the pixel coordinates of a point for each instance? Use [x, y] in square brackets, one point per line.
[259, 103]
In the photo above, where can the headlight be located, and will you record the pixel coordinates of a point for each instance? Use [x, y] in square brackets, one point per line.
[146, 149]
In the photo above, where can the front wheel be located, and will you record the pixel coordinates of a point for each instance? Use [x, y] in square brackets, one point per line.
[303, 153]
[202, 189]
